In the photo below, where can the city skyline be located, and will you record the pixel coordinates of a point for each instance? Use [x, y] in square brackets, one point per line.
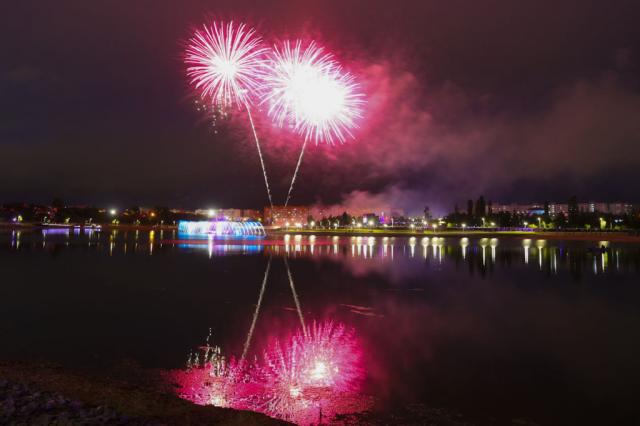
[300, 213]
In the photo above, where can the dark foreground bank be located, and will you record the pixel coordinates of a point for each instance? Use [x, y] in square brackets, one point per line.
[45, 394]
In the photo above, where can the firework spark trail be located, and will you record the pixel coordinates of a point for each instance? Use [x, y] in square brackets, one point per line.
[264, 169]
[307, 89]
[295, 295]
[257, 312]
[295, 173]
[225, 62]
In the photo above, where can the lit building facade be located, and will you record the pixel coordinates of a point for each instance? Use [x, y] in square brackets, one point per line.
[252, 214]
[555, 209]
[230, 214]
[286, 215]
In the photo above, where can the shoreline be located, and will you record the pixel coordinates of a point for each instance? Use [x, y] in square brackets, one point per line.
[132, 393]
[127, 394]
[611, 236]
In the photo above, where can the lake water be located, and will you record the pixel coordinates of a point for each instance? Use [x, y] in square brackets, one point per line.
[494, 329]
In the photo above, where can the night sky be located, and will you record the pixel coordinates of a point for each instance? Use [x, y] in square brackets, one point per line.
[516, 100]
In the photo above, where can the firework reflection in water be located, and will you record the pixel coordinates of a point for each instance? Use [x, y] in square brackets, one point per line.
[308, 371]
[302, 379]
[210, 379]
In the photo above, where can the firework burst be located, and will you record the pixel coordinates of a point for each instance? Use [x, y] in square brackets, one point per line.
[307, 89]
[225, 63]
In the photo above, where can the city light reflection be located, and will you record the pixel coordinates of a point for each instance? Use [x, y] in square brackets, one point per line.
[368, 248]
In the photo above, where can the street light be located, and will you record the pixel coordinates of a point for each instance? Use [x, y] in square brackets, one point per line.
[113, 212]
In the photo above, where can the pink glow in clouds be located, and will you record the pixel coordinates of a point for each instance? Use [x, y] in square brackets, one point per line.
[295, 379]
[308, 90]
[225, 63]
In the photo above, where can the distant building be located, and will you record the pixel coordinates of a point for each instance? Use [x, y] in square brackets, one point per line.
[286, 216]
[230, 214]
[392, 212]
[515, 208]
[620, 208]
[252, 214]
[320, 212]
[227, 214]
[607, 208]
[555, 209]
[370, 219]
[206, 212]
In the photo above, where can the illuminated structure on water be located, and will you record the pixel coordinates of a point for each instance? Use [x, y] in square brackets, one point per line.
[221, 228]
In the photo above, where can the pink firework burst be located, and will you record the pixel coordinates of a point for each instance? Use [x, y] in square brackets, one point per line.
[225, 62]
[326, 356]
[307, 89]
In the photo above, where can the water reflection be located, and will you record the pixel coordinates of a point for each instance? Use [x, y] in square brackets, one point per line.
[483, 254]
[464, 243]
[312, 374]
[453, 305]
